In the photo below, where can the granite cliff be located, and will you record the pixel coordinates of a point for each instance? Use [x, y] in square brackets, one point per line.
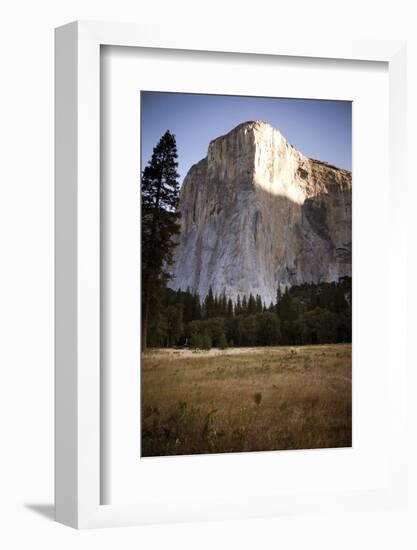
[257, 213]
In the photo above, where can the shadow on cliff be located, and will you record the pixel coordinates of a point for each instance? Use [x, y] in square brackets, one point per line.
[265, 238]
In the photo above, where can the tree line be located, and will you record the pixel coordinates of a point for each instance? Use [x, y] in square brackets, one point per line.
[302, 314]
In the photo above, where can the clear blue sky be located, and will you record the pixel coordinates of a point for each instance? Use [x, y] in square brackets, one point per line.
[319, 129]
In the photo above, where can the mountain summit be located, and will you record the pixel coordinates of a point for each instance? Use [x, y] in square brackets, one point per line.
[258, 214]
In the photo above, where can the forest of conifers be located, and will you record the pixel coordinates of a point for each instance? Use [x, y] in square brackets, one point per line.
[301, 315]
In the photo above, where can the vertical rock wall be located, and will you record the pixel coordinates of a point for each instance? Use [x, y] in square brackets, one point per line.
[256, 214]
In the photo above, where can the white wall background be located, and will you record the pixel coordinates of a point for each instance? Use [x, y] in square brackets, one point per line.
[26, 269]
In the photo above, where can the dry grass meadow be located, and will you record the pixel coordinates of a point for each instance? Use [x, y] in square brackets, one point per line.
[246, 399]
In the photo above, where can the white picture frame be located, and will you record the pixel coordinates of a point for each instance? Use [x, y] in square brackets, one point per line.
[77, 241]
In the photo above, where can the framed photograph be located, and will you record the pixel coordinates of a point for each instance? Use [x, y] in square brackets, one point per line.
[246, 275]
[230, 338]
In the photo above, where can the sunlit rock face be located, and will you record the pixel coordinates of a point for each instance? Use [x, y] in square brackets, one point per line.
[256, 214]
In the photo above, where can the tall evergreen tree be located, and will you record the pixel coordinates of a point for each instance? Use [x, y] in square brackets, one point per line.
[244, 308]
[251, 304]
[230, 308]
[259, 305]
[223, 312]
[160, 224]
[278, 300]
[197, 306]
[215, 312]
[209, 304]
[238, 307]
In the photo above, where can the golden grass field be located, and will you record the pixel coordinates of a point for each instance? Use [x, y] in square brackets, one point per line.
[246, 399]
